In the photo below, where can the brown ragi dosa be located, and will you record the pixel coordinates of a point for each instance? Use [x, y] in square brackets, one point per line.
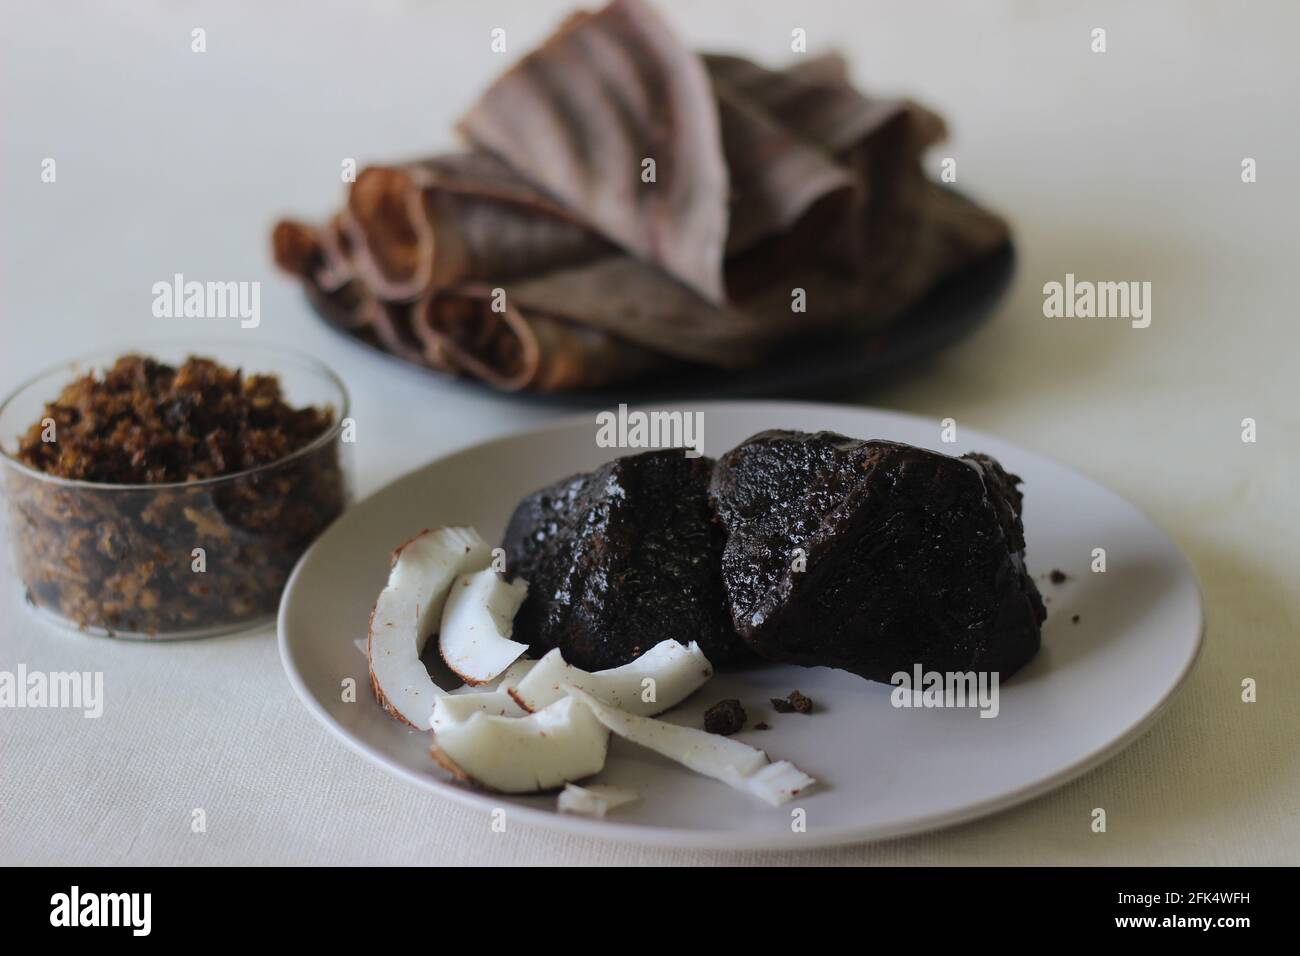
[625, 207]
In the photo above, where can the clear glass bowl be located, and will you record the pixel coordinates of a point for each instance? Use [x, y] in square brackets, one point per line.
[180, 560]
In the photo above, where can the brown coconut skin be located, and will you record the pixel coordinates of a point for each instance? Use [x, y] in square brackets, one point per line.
[620, 559]
[910, 556]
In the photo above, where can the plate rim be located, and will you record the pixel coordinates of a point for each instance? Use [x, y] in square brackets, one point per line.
[676, 837]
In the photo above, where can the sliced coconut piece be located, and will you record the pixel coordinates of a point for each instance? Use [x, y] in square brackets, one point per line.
[710, 754]
[467, 700]
[594, 800]
[554, 746]
[409, 610]
[722, 758]
[779, 782]
[507, 679]
[677, 672]
[454, 708]
[477, 623]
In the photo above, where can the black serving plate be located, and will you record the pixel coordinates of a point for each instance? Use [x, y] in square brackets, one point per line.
[950, 311]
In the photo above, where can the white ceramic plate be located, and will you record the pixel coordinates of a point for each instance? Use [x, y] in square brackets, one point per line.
[1095, 686]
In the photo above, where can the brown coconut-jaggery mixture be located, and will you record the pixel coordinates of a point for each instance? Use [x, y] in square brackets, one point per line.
[146, 422]
[179, 555]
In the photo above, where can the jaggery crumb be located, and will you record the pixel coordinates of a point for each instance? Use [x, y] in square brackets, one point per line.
[146, 422]
[796, 703]
[726, 717]
[184, 555]
[1058, 576]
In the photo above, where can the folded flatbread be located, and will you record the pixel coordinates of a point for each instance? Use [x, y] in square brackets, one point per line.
[625, 207]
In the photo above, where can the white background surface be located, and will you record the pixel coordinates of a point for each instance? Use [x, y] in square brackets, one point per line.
[1115, 166]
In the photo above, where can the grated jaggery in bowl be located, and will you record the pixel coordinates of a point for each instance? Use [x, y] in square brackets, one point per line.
[171, 500]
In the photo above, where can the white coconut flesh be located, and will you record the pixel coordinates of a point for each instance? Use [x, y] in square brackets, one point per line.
[559, 744]
[779, 782]
[476, 625]
[409, 610]
[734, 763]
[594, 800]
[507, 679]
[658, 680]
[492, 698]
[455, 708]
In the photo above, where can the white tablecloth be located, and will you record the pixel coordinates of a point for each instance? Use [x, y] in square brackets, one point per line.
[1117, 166]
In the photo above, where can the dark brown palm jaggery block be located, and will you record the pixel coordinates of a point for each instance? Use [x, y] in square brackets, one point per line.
[873, 556]
[620, 559]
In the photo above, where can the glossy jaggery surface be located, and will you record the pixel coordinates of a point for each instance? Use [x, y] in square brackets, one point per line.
[873, 556]
[620, 559]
